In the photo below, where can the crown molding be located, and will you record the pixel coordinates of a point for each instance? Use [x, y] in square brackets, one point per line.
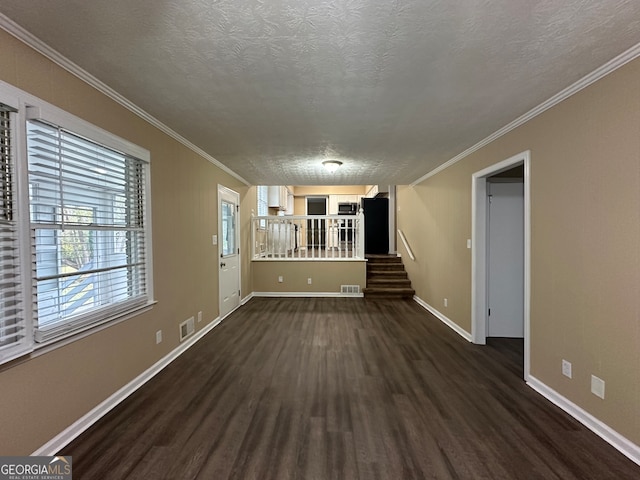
[56, 57]
[599, 73]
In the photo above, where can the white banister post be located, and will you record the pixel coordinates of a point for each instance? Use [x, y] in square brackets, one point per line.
[360, 233]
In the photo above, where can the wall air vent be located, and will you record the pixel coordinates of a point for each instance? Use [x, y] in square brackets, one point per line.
[350, 289]
[187, 328]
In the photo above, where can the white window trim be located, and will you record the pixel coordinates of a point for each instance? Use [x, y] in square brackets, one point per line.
[54, 115]
[18, 129]
[32, 107]
[262, 225]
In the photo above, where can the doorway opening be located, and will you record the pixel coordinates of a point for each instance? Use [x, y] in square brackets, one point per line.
[483, 182]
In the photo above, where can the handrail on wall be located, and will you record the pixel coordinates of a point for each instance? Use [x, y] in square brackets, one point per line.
[406, 244]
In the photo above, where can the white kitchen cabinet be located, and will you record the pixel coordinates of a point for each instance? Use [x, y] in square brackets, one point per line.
[278, 197]
[334, 200]
[333, 204]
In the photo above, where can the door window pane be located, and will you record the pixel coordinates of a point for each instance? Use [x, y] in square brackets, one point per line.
[228, 228]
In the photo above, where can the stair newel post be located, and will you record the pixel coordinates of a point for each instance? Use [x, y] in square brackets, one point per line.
[360, 234]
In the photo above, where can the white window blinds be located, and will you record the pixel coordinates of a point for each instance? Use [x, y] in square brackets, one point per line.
[15, 332]
[87, 217]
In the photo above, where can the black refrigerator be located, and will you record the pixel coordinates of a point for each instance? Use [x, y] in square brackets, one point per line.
[376, 225]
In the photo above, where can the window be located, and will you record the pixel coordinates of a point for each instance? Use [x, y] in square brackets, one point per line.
[14, 329]
[87, 221]
[263, 204]
[228, 229]
[75, 232]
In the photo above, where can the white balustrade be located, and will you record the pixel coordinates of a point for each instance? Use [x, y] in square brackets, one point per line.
[308, 237]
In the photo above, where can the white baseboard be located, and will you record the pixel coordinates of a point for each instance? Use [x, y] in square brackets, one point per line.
[306, 294]
[443, 318]
[83, 423]
[619, 442]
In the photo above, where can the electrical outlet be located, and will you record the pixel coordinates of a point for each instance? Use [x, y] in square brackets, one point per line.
[597, 386]
[199, 316]
[280, 279]
[309, 281]
[566, 368]
[446, 302]
[158, 336]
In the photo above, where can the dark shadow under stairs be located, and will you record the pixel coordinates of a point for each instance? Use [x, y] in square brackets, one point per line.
[387, 278]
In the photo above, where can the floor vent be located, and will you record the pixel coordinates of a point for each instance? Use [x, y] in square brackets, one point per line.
[349, 289]
[187, 328]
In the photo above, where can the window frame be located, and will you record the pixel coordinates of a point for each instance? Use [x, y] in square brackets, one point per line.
[25, 345]
[30, 107]
[262, 224]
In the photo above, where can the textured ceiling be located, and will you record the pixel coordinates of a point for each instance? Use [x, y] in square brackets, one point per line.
[270, 88]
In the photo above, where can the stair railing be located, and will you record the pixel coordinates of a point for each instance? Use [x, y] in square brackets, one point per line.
[308, 237]
[406, 245]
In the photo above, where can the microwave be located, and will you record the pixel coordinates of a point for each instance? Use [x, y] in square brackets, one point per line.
[347, 208]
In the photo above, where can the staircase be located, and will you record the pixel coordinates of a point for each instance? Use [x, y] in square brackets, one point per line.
[386, 278]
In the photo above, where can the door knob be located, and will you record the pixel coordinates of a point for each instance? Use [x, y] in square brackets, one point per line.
[222, 264]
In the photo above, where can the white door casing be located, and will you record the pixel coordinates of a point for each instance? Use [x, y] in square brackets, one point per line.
[228, 250]
[505, 259]
[479, 250]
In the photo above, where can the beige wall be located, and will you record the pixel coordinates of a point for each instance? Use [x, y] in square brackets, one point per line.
[248, 206]
[329, 190]
[325, 276]
[585, 254]
[301, 192]
[299, 206]
[42, 396]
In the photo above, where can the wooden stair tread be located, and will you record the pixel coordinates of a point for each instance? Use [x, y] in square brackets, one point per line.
[391, 260]
[387, 273]
[388, 292]
[378, 281]
[387, 278]
[393, 288]
[386, 267]
[382, 255]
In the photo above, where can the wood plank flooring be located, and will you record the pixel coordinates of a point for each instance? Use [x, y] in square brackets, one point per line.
[341, 388]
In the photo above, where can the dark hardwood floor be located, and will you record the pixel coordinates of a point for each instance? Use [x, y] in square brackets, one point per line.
[341, 388]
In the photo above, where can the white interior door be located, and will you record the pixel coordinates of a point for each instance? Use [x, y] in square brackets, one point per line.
[505, 237]
[228, 250]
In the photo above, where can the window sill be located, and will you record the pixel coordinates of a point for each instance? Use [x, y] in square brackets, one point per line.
[50, 345]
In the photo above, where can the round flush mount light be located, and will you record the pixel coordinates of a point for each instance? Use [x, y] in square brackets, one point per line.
[331, 165]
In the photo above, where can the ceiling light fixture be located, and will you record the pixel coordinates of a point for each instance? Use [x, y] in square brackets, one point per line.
[331, 165]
